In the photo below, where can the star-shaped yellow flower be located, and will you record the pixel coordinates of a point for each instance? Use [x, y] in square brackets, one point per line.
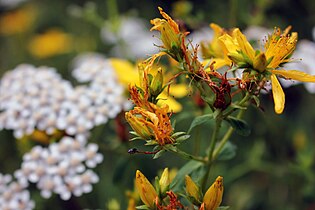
[278, 49]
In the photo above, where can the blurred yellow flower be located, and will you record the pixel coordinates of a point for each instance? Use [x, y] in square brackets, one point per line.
[50, 43]
[17, 21]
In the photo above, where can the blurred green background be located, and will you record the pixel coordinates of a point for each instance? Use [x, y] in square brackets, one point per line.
[273, 168]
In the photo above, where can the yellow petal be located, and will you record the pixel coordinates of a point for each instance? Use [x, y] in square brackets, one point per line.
[219, 62]
[173, 105]
[278, 94]
[213, 196]
[295, 74]
[126, 72]
[146, 191]
[179, 90]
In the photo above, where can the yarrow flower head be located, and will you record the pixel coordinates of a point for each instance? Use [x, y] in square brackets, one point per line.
[13, 195]
[63, 168]
[38, 99]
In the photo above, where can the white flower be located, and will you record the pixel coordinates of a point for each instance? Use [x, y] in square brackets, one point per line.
[13, 195]
[61, 168]
[131, 38]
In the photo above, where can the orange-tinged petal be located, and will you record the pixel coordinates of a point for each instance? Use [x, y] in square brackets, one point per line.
[295, 74]
[145, 189]
[278, 94]
[213, 197]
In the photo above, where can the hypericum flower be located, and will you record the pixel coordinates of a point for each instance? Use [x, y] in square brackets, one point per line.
[169, 31]
[146, 191]
[17, 21]
[13, 195]
[52, 42]
[153, 123]
[164, 182]
[61, 168]
[213, 51]
[192, 190]
[213, 197]
[278, 49]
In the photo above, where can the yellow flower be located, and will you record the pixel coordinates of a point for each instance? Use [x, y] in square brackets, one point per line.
[164, 181]
[52, 42]
[278, 49]
[17, 21]
[237, 48]
[146, 191]
[192, 190]
[169, 30]
[154, 121]
[213, 196]
[127, 72]
[214, 49]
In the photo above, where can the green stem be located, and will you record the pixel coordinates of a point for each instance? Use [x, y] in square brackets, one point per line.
[214, 139]
[226, 137]
[185, 155]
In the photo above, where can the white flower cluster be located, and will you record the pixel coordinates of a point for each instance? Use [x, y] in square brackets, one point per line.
[63, 168]
[13, 195]
[131, 39]
[38, 98]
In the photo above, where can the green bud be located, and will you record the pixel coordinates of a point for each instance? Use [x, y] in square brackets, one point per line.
[164, 182]
[260, 62]
[156, 86]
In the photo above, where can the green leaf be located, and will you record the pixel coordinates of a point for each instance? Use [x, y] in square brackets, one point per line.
[178, 182]
[240, 126]
[142, 207]
[158, 154]
[237, 106]
[151, 142]
[227, 152]
[200, 120]
[182, 138]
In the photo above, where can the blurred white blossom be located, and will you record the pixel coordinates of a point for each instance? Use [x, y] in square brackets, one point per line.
[38, 98]
[13, 195]
[130, 38]
[62, 168]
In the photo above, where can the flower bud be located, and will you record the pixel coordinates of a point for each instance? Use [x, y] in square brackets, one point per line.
[156, 86]
[146, 191]
[213, 196]
[192, 190]
[260, 62]
[164, 182]
[138, 126]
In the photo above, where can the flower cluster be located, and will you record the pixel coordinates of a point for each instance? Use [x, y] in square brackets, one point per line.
[38, 99]
[162, 197]
[62, 168]
[13, 195]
